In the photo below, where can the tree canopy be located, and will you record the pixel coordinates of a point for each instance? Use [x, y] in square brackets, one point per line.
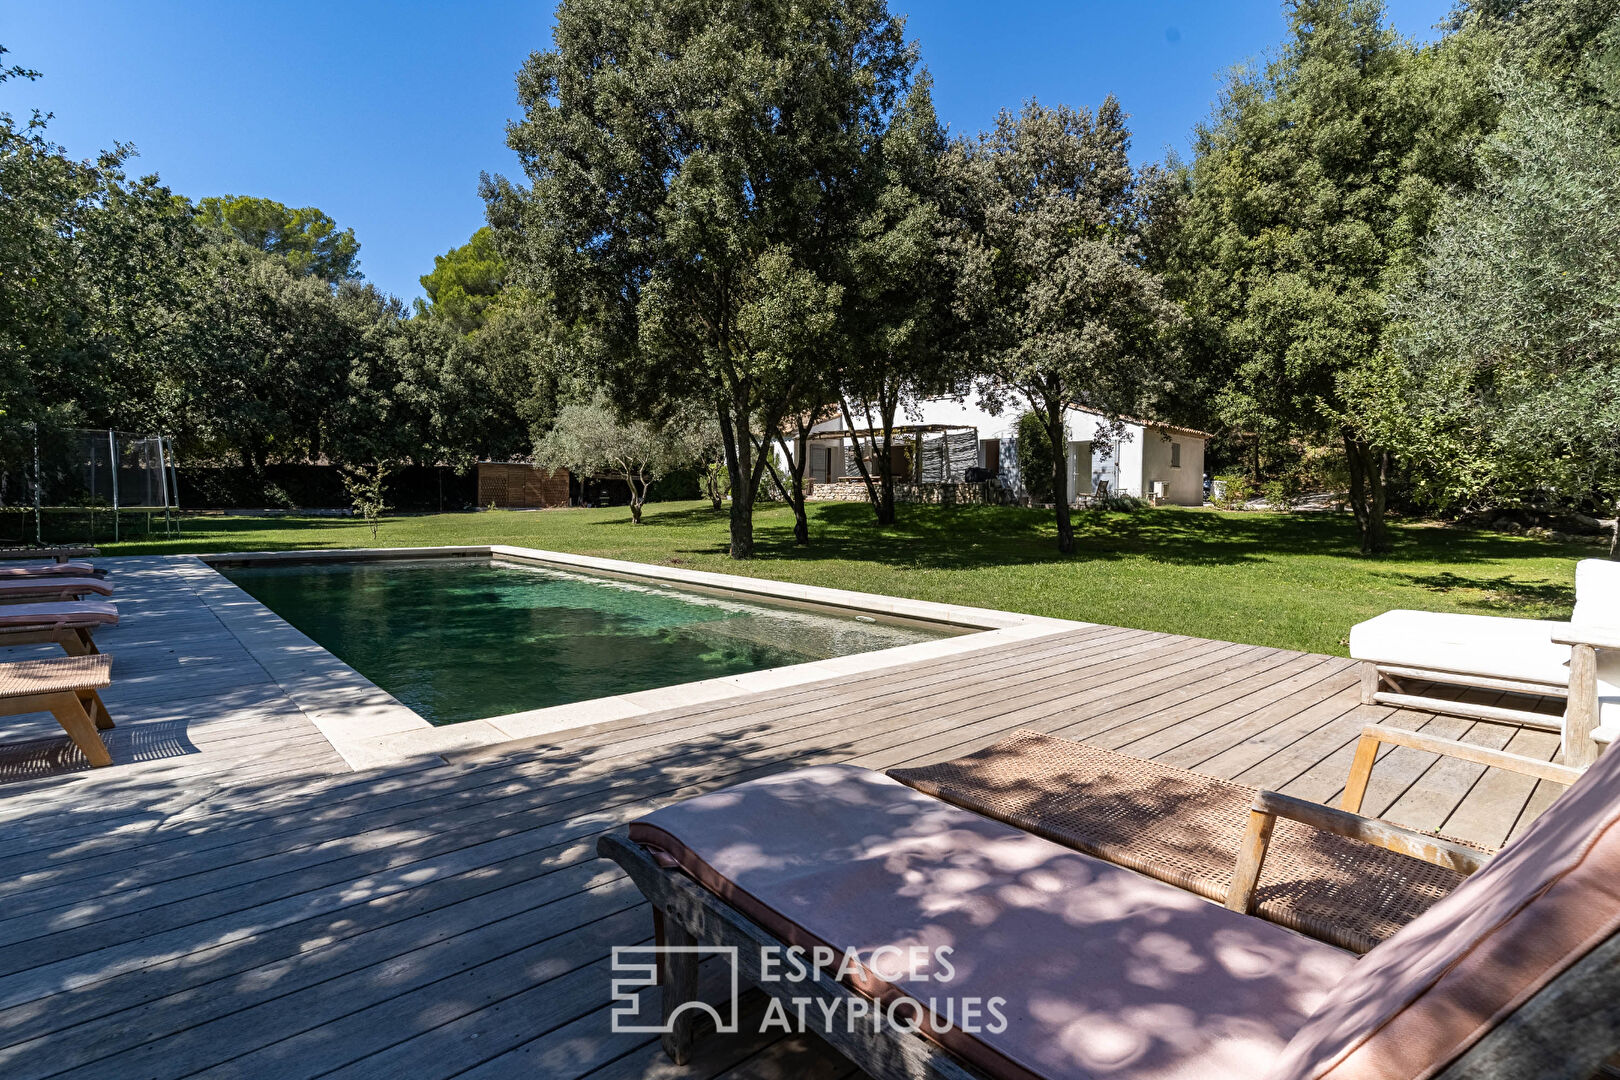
[464, 282]
[306, 237]
[1063, 308]
[1510, 337]
[1312, 190]
[590, 438]
[693, 169]
[1401, 254]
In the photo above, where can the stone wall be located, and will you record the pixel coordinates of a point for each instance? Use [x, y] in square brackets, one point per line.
[940, 493]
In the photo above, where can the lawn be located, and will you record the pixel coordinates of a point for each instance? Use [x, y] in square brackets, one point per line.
[1288, 580]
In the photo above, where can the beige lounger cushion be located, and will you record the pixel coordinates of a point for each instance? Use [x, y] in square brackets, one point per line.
[66, 569]
[1597, 603]
[59, 613]
[52, 583]
[1424, 996]
[1106, 973]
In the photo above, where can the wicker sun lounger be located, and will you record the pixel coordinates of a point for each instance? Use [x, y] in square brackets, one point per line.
[69, 623]
[50, 587]
[1105, 974]
[66, 687]
[1188, 829]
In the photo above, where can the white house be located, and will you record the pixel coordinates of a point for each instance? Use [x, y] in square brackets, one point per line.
[939, 440]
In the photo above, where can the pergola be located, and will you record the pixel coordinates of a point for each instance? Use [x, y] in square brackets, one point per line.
[913, 433]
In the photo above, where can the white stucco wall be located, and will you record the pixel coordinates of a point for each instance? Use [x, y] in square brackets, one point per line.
[1142, 456]
[1185, 484]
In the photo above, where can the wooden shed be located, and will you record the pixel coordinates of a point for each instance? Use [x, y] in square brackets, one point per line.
[517, 485]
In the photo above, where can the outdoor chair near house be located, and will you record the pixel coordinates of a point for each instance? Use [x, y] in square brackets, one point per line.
[1103, 971]
[1576, 661]
[67, 687]
[73, 568]
[69, 623]
[17, 590]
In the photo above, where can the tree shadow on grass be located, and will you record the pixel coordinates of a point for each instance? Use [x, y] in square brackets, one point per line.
[1500, 591]
[205, 535]
[964, 538]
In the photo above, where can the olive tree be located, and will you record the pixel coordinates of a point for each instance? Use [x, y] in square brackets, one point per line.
[593, 440]
[1510, 388]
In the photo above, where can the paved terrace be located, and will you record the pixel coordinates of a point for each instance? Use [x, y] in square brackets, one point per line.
[231, 900]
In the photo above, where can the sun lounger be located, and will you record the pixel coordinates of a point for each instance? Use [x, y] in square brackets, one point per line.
[69, 623]
[1188, 829]
[66, 687]
[1569, 661]
[51, 587]
[54, 569]
[61, 553]
[1105, 972]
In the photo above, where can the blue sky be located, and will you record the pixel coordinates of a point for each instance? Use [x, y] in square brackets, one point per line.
[383, 114]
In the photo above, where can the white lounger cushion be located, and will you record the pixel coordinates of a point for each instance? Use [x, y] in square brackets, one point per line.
[1484, 645]
[1597, 593]
[1496, 647]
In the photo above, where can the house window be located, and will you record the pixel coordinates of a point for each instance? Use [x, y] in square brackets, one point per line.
[990, 451]
[1175, 455]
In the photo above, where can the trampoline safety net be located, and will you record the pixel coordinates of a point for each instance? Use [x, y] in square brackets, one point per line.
[81, 482]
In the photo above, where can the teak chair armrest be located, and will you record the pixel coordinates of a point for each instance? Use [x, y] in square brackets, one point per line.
[1598, 637]
[1269, 806]
[1355, 788]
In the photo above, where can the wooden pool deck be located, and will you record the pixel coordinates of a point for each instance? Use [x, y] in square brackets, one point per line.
[230, 900]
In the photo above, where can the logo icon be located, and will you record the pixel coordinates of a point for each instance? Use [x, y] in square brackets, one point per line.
[639, 964]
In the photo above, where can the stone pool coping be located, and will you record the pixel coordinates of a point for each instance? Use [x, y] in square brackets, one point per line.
[371, 728]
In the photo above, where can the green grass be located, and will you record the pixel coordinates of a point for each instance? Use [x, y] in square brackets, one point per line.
[1291, 581]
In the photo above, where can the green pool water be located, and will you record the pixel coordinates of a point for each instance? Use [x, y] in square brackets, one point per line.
[462, 640]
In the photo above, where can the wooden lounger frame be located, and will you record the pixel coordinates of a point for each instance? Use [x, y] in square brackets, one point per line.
[75, 640]
[1565, 1032]
[80, 712]
[1581, 710]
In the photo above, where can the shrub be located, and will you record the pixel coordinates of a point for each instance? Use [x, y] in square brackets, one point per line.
[1236, 492]
[1035, 457]
[1283, 493]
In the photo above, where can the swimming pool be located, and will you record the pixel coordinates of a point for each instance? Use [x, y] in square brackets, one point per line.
[459, 639]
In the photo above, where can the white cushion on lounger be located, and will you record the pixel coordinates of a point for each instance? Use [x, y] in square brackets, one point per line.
[1597, 603]
[1597, 593]
[1484, 645]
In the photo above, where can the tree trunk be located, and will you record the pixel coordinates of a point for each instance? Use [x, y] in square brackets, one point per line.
[797, 459]
[711, 482]
[638, 496]
[860, 459]
[1369, 491]
[887, 406]
[1614, 533]
[1057, 436]
[739, 452]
